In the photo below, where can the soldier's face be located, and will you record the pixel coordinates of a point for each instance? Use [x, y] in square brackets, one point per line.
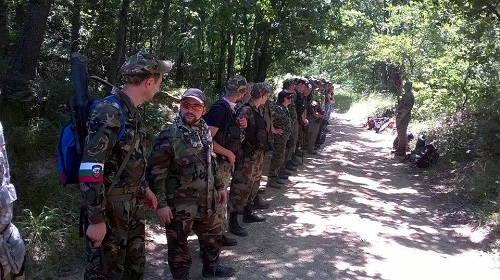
[152, 87]
[191, 111]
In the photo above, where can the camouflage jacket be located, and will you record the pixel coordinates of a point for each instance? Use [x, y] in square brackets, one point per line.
[405, 105]
[179, 175]
[281, 120]
[105, 154]
[292, 108]
[7, 191]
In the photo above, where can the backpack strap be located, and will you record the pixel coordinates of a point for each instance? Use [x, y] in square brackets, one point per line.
[120, 135]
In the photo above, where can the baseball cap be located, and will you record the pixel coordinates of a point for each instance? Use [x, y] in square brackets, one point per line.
[143, 63]
[194, 93]
[236, 85]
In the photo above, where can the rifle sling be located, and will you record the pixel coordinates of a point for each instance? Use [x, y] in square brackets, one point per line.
[125, 161]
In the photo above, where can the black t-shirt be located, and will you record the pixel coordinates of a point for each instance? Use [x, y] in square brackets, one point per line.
[216, 117]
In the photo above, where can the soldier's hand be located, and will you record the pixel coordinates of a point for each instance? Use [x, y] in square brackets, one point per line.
[150, 201]
[231, 158]
[305, 122]
[222, 196]
[242, 122]
[164, 215]
[277, 131]
[96, 233]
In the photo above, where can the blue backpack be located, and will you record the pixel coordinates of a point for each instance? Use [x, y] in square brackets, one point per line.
[68, 158]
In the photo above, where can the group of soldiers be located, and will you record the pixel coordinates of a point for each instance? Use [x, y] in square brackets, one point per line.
[193, 163]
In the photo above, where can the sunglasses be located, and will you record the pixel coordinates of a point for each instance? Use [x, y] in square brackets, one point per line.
[195, 107]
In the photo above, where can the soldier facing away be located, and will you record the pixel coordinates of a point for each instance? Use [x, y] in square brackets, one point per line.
[181, 173]
[113, 213]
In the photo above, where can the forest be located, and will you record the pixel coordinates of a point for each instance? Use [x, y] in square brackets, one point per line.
[449, 49]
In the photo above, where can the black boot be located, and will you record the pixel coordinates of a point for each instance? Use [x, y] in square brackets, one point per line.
[217, 270]
[228, 242]
[234, 227]
[250, 217]
[259, 203]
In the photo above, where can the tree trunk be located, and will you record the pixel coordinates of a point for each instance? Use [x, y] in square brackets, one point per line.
[75, 25]
[4, 30]
[118, 54]
[165, 26]
[27, 51]
[231, 58]
[222, 58]
[264, 57]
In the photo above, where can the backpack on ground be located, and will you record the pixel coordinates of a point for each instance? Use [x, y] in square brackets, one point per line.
[68, 156]
[425, 156]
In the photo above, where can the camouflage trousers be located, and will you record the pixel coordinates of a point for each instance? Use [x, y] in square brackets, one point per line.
[225, 171]
[246, 182]
[290, 149]
[209, 232]
[278, 159]
[402, 127]
[312, 131]
[122, 253]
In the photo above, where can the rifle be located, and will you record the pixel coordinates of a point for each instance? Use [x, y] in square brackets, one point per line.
[78, 104]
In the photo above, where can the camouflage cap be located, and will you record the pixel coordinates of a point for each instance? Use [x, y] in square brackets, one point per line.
[283, 94]
[287, 83]
[259, 89]
[236, 85]
[302, 81]
[194, 93]
[143, 63]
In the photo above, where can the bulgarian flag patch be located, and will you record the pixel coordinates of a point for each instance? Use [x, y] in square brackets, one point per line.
[91, 172]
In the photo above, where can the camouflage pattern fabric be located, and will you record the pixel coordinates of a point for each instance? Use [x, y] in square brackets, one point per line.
[122, 253]
[403, 117]
[312, 128]
[246, 182]
[143, 63]
[236, 85]
[292, 109]
[224, 171]
[102, 148]
[248, 170]
[179, 175]
[7, 229]
[209, 234]
[281, 120]
[267, 113]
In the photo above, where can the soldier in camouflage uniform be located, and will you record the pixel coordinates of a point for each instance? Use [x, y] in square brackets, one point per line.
[248, 170]
[291, 162]
[113, 214]
[11, 261]
[281, 120]
[403, 117]
[302, 90]
[227, 134]
[181, 172]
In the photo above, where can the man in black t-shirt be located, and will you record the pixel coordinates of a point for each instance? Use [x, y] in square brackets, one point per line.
[227, 137]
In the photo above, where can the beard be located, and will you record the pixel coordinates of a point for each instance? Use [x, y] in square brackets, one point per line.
[189, 119]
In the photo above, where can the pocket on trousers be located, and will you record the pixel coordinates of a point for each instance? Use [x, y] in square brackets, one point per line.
[13, 247]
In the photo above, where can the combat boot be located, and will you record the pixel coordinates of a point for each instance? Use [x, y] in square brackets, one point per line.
[234, 226]
[285, 172]
[299, 153]
[228, 242]
[275, 182]
[297, 160]
[282, 176]
[217, 270]
[290, 167]
[259, 203]
[250, 217]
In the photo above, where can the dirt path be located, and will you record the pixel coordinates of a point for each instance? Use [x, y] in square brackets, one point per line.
[354, 213]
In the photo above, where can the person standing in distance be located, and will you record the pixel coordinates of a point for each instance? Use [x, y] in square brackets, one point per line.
[403, 117]
[114, 219]
[181, 172]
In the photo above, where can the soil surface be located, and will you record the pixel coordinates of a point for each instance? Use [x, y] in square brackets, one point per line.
[354, 212]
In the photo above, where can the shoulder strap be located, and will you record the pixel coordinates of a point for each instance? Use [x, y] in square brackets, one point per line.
[115, 99]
